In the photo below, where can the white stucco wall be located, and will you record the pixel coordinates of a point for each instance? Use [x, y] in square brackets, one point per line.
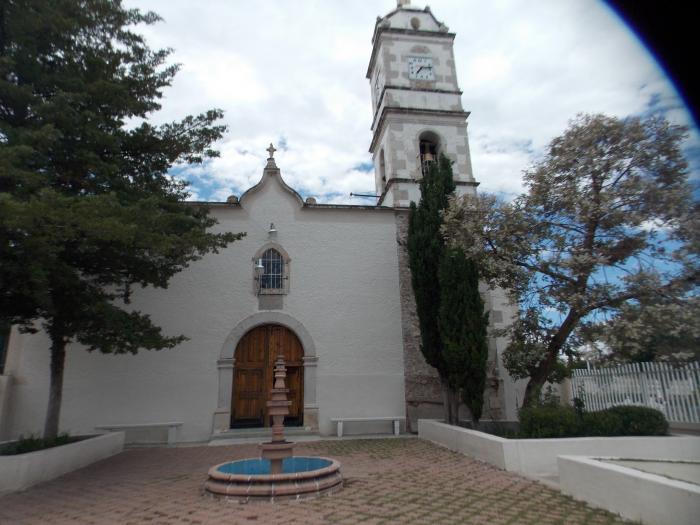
[343, 289]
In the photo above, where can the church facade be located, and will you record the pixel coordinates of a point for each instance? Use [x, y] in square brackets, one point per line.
[327, 286]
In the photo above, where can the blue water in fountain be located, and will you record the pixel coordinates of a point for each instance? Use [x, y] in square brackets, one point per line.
[262, 466]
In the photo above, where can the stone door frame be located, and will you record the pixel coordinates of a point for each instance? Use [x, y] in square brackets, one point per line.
[226, 364]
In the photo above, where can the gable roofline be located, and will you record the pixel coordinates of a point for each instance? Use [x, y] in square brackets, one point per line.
[306, 206]
[272, 171]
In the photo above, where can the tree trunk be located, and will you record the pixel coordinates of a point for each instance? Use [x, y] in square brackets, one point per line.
[539, 377]
[533, 389]
[455, 406]
[450, 403]
[447, 414]
[53, 412]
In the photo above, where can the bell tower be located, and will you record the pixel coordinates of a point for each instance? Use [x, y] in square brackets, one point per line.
[417, 104]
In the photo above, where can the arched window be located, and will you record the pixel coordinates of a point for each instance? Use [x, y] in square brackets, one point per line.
[428, 147]
[273, 273]
[271, 270]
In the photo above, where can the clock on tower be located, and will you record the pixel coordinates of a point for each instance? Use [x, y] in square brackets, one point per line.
[417, 104]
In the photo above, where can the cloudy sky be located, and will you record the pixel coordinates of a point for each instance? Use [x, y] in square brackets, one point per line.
[293, 73]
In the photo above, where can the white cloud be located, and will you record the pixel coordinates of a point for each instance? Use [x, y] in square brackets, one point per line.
[296, 71]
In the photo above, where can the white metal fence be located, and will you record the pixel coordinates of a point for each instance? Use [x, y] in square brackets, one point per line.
[673, 390]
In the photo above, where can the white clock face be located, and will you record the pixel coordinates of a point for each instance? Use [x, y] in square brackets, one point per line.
[420, 68]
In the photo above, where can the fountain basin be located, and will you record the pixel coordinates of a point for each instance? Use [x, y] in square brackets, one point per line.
[250, 479]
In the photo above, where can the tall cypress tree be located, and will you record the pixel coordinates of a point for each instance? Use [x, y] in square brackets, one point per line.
[87, 208]
[463, 327]
[425, 250]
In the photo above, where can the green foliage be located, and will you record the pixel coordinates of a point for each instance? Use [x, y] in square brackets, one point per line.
[463, 327]
[600, 423]
[425, 250]
[640, 421]
[660, 329]
[550, 421]
[527, 349]
[87, 208]
[32, 444]
[607, 220]
[445, 284]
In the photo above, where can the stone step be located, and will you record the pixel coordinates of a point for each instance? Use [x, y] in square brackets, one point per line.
[260, 434]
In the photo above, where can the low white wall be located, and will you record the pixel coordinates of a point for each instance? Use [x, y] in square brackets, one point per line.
[538, 457]
[485, 447]
[636, 495]
[24, 470]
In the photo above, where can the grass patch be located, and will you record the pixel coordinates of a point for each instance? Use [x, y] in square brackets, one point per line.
[32, 444]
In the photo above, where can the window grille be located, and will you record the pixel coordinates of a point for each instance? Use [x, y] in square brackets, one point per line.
[273, 263]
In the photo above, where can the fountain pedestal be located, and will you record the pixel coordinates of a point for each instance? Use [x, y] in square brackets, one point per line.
[277, 473]
[278, 407]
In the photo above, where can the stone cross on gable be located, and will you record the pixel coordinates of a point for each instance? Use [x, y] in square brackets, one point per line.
[271, 150]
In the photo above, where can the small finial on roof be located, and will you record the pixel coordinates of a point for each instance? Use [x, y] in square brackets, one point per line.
[271, 150]
[402, 3]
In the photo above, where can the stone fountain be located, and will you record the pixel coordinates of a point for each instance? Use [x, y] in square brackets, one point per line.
[277, 474]
[278, 406]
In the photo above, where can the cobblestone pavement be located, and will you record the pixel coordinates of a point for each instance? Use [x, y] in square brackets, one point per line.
[386, 481]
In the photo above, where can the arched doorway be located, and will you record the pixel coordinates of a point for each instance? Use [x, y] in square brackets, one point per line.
[252, 378]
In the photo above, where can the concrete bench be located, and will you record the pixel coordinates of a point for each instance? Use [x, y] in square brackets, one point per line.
[172, 426]
[341, 420]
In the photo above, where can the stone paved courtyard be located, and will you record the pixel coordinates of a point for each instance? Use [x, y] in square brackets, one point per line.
[386, 481]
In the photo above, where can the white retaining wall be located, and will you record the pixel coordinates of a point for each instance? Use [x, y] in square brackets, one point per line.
[21, 471]
[636, 495]
[538, 457]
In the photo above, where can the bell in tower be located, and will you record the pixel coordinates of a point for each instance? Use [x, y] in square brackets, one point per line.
[418, 113]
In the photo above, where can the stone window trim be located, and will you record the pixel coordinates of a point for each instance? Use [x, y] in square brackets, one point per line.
[284, 290]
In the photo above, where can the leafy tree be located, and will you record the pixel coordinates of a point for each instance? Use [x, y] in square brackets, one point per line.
[450, 309]
[662, 330]
[607, 220]
[463, 327]
[425, 250]
[87, 209]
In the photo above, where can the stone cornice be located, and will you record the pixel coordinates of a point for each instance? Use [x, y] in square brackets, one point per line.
[411, 111]
[410, 88]
[397, 180]
[396, 31]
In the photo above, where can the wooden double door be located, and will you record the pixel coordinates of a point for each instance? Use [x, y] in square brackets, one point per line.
[253, 376]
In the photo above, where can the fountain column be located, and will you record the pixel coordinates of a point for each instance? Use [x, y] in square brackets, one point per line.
[278, 407]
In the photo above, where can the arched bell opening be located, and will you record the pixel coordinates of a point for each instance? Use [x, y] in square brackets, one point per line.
[429, 148]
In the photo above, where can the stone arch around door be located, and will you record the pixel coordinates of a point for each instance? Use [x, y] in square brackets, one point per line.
[226, 367]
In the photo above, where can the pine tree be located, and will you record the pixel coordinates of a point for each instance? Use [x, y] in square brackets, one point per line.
[463, 327]
[425, 250]
[87, 209]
